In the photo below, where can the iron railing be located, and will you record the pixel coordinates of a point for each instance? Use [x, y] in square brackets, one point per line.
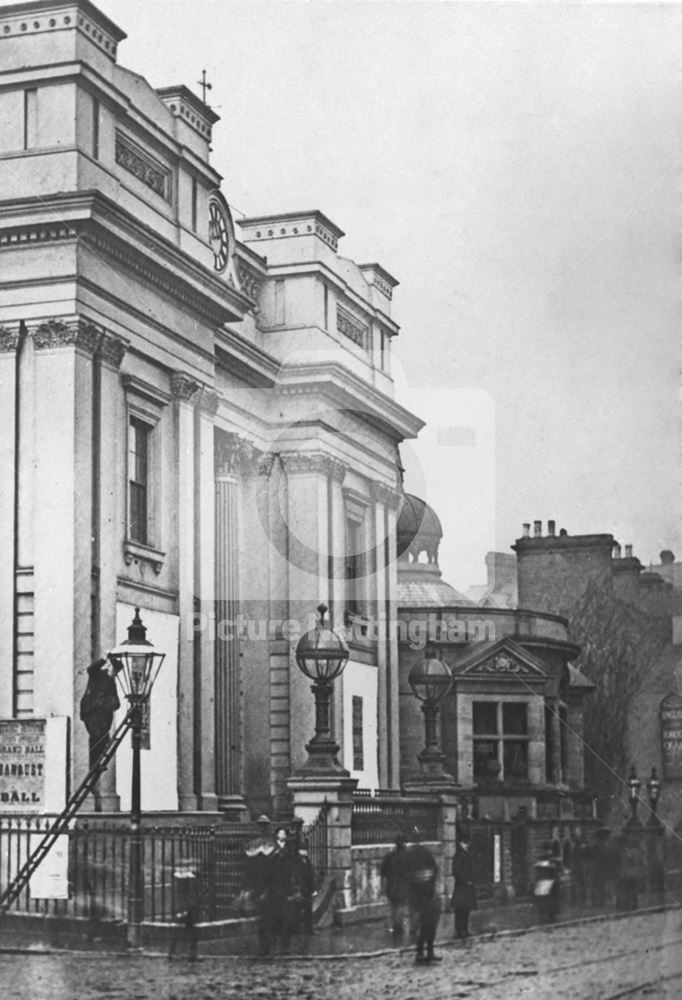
[98, 866]
[380, 817]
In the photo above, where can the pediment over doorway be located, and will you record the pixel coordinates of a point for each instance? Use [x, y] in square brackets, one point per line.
[506, 660]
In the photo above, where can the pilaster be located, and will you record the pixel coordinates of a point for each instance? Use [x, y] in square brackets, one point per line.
[183, 388]
[205, 578]
[9, 342]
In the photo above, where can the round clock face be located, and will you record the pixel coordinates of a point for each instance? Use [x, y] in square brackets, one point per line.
[218, 235]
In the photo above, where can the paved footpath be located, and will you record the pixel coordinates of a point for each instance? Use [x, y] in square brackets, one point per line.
[593, 960]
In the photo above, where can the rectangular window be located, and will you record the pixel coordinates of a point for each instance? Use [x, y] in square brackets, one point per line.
[30, 119]
[354, 566]
[138, 481]
[95, 129]
[194, 204]
[358, 747]
[500, 740]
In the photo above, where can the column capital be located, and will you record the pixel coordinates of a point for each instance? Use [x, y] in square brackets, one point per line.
[183, 386]
[9, 339]
[233, 454]
[312, 463]
[80, 333]
[388, 495]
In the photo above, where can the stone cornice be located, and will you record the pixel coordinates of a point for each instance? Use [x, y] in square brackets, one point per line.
[388, 495]
[183, 386]
[233, 454]
[79, 333]
[9, 339]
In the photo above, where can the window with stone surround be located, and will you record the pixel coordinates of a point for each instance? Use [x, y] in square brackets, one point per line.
[144, 474]
[139, 435]
[500, 735]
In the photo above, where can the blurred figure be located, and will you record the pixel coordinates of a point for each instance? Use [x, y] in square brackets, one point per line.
[631, 872]
[281, 891]
[422, 873]
[304, 878]
[394, 883]
[464, 895]
[546, 885]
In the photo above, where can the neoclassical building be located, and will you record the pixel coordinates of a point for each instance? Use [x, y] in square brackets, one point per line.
[511, 727]
[198, 419]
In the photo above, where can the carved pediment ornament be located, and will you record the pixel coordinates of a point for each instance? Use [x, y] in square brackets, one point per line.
[503, 663]
[233, 454]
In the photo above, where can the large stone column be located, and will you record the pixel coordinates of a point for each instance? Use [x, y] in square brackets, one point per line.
[9, 341]
[205, 581]
[108, 459]
[386, 500]
[63, 523]
[231, 453]
[183, 388]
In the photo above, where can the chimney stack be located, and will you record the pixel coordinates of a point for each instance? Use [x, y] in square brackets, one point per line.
[537, 529]
[526, 530]
[616, 550]
[628, 552]
[551, 528]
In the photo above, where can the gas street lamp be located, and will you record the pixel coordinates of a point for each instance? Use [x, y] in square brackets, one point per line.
[654, 789]
[137, 666]
[635, 785]
[321, 655]
[430, 680]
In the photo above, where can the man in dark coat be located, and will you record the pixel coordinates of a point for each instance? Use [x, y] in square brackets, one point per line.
[422, 872]
[99, 703]
[464, 895]
[304, 880]
[281, 891]
[394, 883]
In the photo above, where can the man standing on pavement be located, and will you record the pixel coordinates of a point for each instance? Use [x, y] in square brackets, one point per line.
[464, 895]
[422, 872]
[394, 883]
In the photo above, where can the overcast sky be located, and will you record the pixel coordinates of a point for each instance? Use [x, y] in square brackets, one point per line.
[517, 168]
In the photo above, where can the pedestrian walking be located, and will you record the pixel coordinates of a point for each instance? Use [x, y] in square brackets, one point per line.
[254, 900]
[186, 915]
[281, 892]
[464, 894]
[422, 873]
[394, 884]
[631, 873]
[546, 885]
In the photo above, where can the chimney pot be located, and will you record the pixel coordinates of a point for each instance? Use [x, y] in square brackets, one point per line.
[563, 533]
[616, 550]
[628, 552]
[537, 529]
[526, 530]
[551, 528]
[667, 557]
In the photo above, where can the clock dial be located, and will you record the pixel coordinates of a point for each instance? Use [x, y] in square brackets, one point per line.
[218, 235]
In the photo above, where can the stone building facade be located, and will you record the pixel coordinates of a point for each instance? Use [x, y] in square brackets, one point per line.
[197, 419]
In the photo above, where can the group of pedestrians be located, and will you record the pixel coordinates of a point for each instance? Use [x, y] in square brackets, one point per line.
[409, 881]
[279, 889]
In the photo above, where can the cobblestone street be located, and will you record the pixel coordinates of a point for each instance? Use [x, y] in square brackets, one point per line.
[589, 961]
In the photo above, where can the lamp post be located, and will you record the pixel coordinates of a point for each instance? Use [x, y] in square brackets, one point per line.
[654, 789]
[635, 785]
[321, 655]
[430, 680]
[137, 665]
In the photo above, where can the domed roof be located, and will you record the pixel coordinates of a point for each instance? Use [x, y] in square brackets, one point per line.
[420, 587]
[416, 519]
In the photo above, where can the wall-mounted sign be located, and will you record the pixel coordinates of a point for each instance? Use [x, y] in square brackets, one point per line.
[22, 765]
[671, 735]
